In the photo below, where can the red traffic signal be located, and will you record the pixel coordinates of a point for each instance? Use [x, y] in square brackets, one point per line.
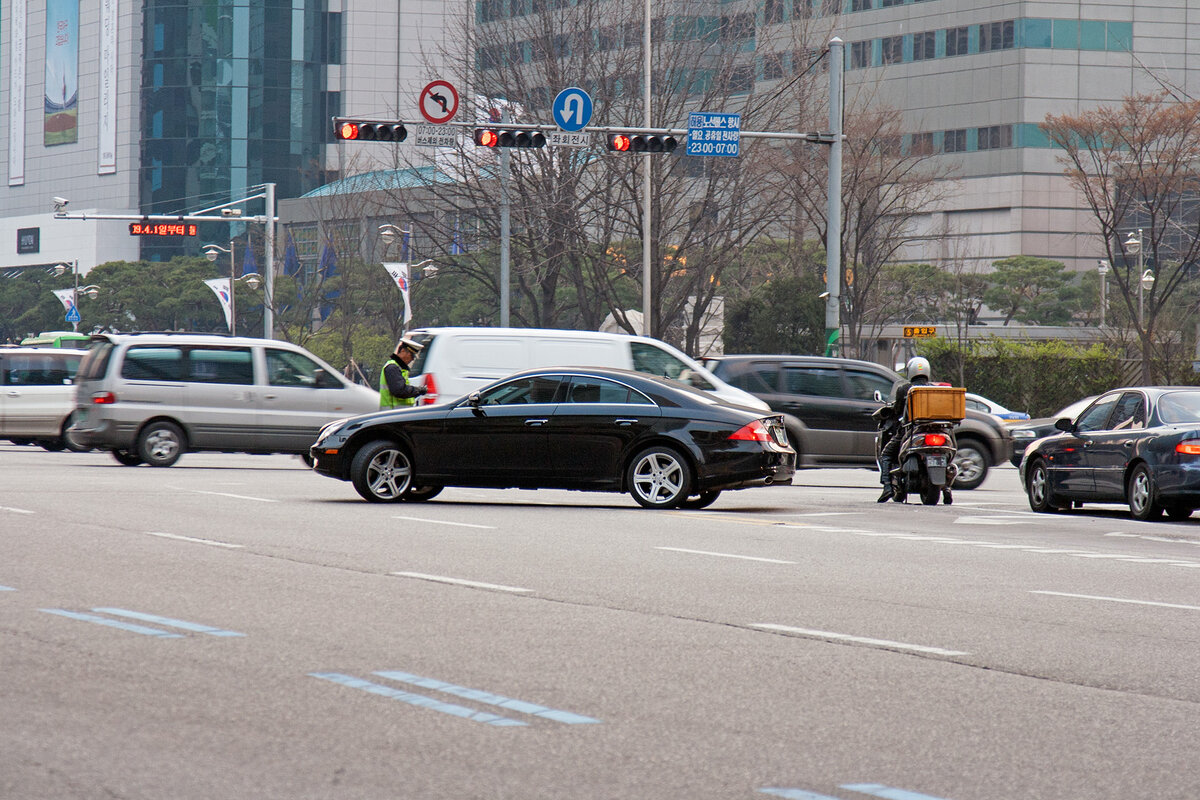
[619, 142]
[366, 130]
[493, 137]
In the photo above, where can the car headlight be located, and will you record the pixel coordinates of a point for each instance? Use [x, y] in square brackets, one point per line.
[1024, 435]
[330, 428]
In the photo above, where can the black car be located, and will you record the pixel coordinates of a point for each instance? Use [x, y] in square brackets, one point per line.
[1138, 445]
[827, 405]
[1024, 434]
[606, 430]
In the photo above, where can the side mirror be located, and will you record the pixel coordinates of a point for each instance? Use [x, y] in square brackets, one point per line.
[878, 396]
[473, 399]
[1065, 425]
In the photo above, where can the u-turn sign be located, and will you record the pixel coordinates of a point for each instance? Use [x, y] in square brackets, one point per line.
[572, 109]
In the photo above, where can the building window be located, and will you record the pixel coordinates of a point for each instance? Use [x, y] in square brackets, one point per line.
[924, 46]
[995, 137]
[890, 3]
[954, 141]
[609, 38]
[957, 41]
[860, 55]
[922, 144]
[741, 79]
[892, 49]
[737, 27]
[772, 12]
[772, 67]
[996, 36]
[491, 10]
[860, 5]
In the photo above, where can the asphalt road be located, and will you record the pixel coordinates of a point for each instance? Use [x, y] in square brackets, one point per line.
[239, 627]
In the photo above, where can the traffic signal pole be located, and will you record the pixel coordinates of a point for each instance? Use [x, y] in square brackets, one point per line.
[647, 277]
[505, 230]
[833, 216]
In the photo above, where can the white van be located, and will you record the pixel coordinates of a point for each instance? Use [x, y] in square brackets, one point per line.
[456, 361]
[37, 396]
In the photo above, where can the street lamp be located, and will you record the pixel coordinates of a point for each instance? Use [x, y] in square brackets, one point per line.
[1102, 267]
[251, 279]
[1133, 244]
[91, 290]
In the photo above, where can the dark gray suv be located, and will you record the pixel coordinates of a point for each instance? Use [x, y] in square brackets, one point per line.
[828, 402]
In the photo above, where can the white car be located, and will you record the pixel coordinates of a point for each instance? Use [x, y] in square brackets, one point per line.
[991, 407]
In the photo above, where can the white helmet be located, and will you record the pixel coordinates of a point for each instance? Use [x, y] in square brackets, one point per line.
[918, 366]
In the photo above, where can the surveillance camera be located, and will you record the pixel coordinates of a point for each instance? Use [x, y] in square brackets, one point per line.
[231, 212]
[61, 201]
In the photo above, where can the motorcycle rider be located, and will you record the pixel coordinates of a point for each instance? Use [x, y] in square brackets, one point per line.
[917, 373]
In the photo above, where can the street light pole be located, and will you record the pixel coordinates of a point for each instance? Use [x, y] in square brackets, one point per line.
[1102, 267]
[75, 296]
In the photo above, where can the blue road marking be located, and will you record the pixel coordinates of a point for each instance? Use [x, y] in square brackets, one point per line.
[7, 589]
[887, 792]
[112, 623]
[174, 623]
[481, 696]
[418, 700]
[796, 794]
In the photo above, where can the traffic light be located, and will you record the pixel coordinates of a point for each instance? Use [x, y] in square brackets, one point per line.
[496, 137]
[641, 143]
[369, 130]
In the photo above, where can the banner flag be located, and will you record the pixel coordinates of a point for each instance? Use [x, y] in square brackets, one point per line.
[66, 297]
[220, 287]
[399, 273]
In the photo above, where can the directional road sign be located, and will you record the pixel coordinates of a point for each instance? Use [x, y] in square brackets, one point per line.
[438, 102]
[713, 134]
[572, 109]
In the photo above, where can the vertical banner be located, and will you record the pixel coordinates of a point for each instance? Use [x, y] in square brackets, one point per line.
[107, 139]
[66, 297]
[399, 273]
[220, 287]
[61, 122]
[16, 95]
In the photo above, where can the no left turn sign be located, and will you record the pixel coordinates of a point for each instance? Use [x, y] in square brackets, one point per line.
[438, 102]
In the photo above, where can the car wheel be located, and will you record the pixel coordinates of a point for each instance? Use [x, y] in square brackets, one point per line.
[1140, 492]
[658, 477]
[1177, 513]
[161, 444]
[381, 472]
[929, 495]
[972, 466]
[1037, 486]
[703, 500]
[419, 494]
[53, 445]
[70, 439]
[127, 458]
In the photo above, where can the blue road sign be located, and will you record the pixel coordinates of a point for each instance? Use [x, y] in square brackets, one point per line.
[572, 109]
[73, 315]
[713, 134]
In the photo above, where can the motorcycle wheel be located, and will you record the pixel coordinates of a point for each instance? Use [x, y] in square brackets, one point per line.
[929, 495]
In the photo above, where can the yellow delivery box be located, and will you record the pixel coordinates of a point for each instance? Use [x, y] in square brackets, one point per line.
[937, 402]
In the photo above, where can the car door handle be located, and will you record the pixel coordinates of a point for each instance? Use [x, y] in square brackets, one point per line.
[533, 423]
[269, 397]
[13, 393]
[626, 421]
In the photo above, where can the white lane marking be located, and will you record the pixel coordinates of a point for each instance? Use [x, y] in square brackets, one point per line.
[460, 582]
[212, 542]
[989, 521]
[724, 555]
[824, 514]
[234, 496]
[444, 522]
[12, 510]
[1115, 599]
[845, 637]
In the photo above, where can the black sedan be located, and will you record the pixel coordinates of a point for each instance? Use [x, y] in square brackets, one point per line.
[1024, 433]
[605, 430]
[1139, 445]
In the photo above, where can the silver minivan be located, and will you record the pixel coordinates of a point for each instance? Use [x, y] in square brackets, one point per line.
[37, 396]
[150, 397]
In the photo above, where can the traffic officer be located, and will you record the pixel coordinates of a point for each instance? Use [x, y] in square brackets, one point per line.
[394, 389]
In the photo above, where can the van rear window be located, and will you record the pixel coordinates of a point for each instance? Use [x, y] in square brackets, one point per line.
[95, 363]
[153, 364]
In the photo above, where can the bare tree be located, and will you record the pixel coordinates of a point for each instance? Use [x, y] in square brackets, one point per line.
[1135, 166]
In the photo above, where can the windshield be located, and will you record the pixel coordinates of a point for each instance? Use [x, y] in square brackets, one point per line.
[418, 363]
[1176, 407]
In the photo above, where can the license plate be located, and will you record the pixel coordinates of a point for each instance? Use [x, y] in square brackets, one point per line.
[935, 461]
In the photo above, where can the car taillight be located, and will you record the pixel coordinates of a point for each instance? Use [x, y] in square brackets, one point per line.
[752, 432]
[1189, 447]
[935, 440]
[103, 398]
